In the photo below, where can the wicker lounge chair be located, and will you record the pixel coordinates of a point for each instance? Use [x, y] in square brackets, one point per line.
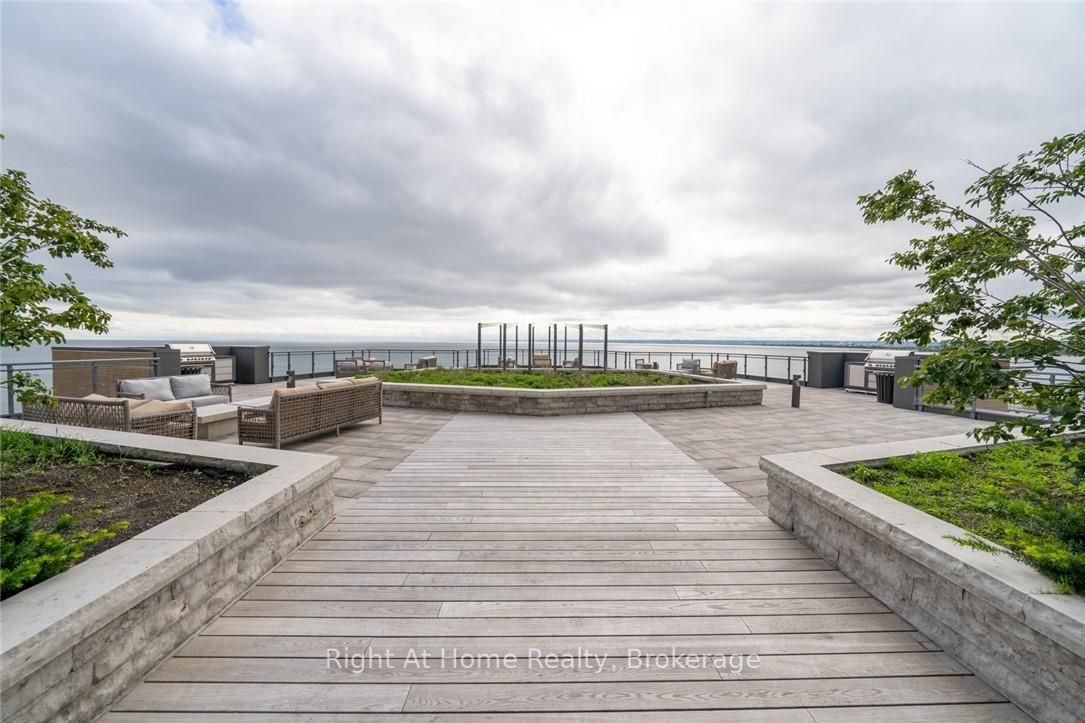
[307, 411]
[690, 366]
[105, 413]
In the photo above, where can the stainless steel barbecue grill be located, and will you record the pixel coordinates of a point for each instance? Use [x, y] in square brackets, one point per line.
[863, 376]
[195, 358]
[881, 364]
[882, 361]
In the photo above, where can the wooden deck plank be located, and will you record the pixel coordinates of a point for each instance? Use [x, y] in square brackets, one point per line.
[598, 555]
[632, 534]
[446, 594]
[515, 539]
[689, 546]
[286, 646]
[454, 666]
[795, 553]
[556, 592]
[776, 715]
[482, 567]
[958, 713]
[698, 695]
[467, 627]
[555, 579]
[617, 578]
[652, 608]
[264, 697]
[552, 608]
[967, 713]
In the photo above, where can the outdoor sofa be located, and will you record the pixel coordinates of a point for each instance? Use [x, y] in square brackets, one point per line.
[352, 366]
[165, 419]
[197, 389]
[307, 411]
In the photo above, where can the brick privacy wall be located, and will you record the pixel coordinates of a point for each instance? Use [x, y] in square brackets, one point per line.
[686, 398]
[75, 380]
[82, 682]
[1041, 676]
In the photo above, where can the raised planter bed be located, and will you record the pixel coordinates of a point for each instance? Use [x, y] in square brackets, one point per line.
[695, 392]
[997, 615]
[72, 644]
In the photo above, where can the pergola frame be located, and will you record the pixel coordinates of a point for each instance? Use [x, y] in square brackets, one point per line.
[553, 348]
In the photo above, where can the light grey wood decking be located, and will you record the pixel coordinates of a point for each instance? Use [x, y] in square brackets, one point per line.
[573, 536]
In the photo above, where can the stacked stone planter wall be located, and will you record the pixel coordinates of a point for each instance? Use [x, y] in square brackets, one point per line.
[76, 642]
[705, 392]
[997, 615]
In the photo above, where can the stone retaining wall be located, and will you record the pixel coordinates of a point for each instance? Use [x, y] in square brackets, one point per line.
[1000, 617]
[553, 402]
[76, 642]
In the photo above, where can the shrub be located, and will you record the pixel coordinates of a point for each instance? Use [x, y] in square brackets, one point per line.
[32, 550]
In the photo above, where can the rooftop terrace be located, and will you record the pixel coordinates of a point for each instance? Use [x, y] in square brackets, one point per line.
[467, 535]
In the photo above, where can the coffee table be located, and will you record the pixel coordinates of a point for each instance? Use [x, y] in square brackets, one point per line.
[216, 421]
[254, 402]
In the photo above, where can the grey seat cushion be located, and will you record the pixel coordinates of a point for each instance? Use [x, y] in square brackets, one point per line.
[153, 388]
[191, 385]
[207, 400]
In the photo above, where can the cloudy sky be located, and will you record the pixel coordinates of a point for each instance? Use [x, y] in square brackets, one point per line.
[369, 170]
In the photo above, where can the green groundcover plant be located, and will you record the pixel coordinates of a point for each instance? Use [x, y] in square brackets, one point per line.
[1017, 495]
[531, 379]
[35, 544]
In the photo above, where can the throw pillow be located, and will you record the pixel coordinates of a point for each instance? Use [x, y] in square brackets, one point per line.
[152, 388]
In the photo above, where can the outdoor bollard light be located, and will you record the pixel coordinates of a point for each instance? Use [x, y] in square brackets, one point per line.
[795, 390]
[290, 380]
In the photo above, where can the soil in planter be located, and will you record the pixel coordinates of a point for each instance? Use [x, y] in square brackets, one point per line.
[124, 490]
[105, 489]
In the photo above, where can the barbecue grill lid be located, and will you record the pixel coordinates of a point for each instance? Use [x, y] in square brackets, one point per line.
[884, 356]
[192, 348]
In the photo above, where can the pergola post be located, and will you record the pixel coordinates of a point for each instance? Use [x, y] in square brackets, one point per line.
[504, 344]
[554, 363]
[579, 348]
[605, 340]
[530, 346]
[478, 352]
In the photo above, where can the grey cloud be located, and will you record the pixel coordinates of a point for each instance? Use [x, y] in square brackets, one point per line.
[251, 169]
[353, 182]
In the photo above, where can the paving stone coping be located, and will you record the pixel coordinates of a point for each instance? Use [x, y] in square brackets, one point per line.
[44, 621]
[1005, 584]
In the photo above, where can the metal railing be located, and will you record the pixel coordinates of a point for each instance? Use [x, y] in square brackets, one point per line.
[46, 371]
[992, 409]
[308, 363]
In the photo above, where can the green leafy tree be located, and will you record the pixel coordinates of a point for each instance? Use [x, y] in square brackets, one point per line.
[34, 309]
[1005, 282]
